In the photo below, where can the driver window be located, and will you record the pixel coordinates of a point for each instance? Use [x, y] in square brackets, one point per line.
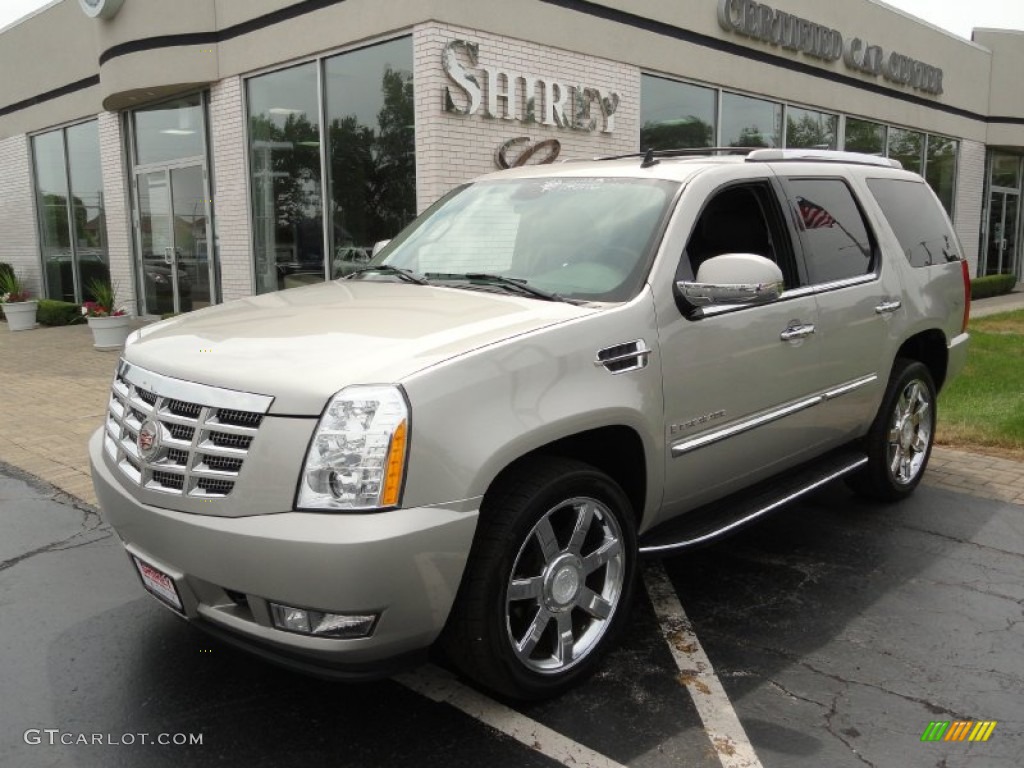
[734, 221]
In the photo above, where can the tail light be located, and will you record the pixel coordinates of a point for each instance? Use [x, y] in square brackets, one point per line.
[967, 295]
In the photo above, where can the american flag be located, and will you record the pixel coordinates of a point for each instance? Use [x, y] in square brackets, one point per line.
[813, 215]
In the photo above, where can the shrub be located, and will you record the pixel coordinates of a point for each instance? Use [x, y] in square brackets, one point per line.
[992, 285]
[6, 270]
[53, 312]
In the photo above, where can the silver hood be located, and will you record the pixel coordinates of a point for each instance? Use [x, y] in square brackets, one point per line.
[302, 345]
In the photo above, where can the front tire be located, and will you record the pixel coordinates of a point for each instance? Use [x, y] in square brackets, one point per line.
[549, 580]
[899, 443]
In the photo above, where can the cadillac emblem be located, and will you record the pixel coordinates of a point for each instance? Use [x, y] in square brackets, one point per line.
[149, 440]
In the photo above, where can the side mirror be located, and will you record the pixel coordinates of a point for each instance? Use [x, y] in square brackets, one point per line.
[379, 246]
[734, 279]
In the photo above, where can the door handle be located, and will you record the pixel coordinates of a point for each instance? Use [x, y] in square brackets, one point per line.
[796, 332]
[888, 306]
[169, 256]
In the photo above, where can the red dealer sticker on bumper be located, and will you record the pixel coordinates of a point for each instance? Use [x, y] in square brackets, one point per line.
[159, 583]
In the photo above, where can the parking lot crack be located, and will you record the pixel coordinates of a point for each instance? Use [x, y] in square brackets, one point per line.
[829, 726]
[935, 709]
[91, 524]
[960, 540]
[784, 690]
[931, 707]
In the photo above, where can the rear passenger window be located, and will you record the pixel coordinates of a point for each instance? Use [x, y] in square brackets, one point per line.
[917, 220]
[837, 245]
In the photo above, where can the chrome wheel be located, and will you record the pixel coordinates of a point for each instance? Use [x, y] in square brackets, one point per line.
[565, 585]
[910, 432]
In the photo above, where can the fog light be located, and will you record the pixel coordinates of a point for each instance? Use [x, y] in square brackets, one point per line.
[320, 624]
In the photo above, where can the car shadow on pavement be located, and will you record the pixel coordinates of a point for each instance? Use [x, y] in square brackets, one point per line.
[138, 669]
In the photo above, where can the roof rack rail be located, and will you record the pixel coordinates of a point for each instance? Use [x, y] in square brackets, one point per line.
[820, 156]
[682, 152]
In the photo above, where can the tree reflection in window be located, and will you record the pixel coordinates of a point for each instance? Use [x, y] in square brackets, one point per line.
[284, 134]
[372, 150]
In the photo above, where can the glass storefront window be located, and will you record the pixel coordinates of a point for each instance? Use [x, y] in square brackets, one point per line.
[864, 136]
[72, 227]
[169, 131]
[87, 209]
[284, 146]
[371, 155]
[748, 122]
[52, 210]
[1006, 171]
[808, 129]
[940, 168]
[675, 115]
[907, 147]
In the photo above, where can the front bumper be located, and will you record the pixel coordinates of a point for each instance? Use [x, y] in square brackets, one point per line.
[404, 565]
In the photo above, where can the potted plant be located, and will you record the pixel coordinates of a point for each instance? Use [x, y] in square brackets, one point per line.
[109, 323]
[19, 307]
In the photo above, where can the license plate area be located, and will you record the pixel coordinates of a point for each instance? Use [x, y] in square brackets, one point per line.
[159, 584]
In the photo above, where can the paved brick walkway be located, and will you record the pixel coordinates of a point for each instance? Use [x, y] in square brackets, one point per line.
[53, 393]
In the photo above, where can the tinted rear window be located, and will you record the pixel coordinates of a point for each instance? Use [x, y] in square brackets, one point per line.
[837, 245]
[917, 220]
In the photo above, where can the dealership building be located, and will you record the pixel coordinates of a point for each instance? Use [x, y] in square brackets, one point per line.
[199, 151]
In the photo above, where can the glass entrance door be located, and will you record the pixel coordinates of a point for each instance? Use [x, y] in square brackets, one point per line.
[173, 207]
[1003, 221]
[174, 239]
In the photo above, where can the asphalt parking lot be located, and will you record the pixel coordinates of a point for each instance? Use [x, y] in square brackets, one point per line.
[837, 631]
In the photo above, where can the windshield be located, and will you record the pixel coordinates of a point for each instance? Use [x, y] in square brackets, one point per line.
[587, 239]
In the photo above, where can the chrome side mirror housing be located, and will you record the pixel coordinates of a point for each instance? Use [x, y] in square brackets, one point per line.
[734, 279]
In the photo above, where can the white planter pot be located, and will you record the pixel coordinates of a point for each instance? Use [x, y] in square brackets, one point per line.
[110, 332]
[21, 315]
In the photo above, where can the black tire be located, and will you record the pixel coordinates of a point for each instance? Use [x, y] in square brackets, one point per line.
[506, 637]
[899, 443]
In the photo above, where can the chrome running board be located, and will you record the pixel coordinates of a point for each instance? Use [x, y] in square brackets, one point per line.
[705, 524]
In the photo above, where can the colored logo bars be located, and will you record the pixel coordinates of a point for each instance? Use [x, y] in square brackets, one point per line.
[961, 730]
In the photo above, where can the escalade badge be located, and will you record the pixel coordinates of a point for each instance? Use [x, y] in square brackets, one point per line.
[149, 439]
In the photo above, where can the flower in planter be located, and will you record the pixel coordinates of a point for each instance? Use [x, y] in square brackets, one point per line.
[95, 309]
[11, 289]
[105, 303]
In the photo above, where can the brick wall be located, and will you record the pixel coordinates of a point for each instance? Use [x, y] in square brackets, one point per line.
[117, 209]
[19, 243]
[230, 203]
[970, 200]
[452, 148]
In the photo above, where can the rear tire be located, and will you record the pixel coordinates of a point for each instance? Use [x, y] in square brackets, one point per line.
[900, 440]
[549, 580]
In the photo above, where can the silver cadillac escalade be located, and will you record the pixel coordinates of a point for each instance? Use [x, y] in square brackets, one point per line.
[467, 443]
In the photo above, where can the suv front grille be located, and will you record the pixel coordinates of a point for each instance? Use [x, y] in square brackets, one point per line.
[200, 445]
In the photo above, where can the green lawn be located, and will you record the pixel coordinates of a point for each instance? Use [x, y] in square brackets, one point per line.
[984, 405]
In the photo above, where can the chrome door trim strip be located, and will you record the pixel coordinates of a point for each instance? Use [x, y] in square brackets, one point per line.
[693, 443]
[846, 389]
[189, 391]
[808, 290]
[859, 462]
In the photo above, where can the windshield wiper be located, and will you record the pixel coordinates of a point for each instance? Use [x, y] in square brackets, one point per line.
[405, 274]
[506, 282]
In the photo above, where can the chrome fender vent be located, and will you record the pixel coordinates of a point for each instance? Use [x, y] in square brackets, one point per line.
[621, 358]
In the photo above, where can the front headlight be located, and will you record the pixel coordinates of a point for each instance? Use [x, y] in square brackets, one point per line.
[356, 460]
